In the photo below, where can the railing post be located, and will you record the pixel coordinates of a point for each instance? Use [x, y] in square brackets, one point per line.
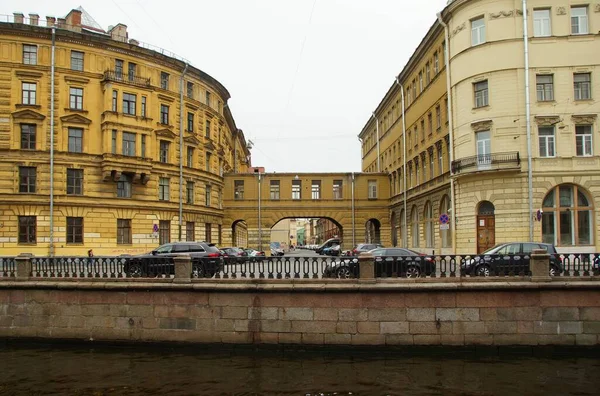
[183, 269]
[366, 266]
[23, 266]
[540, 266]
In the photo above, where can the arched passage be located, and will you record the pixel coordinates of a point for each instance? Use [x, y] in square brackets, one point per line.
[373, 231]
[486, 226]
[239, 233]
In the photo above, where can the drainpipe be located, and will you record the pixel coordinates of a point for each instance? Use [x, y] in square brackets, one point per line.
[378, 154]
[51, 247]
[353, 215]
[528, 120]
[259, 217]
[181, 150]
[450, 128]
[404, 231]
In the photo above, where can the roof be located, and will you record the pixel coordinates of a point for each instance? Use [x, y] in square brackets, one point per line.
[88, 22]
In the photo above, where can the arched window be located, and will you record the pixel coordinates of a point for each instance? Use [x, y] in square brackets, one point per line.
[394, 223]
[568, 216]
[403, 241]
[428, 214]
[445, 234]
[414, 227]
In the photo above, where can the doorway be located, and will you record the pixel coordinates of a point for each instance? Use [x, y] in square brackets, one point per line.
[486, 226]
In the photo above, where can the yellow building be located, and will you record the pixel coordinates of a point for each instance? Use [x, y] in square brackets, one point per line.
[521, 136]
[106, 143]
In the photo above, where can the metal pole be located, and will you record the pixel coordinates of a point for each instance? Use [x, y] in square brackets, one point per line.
[378, 154]
[404, 217]
[353, 215]
[259, 218]
[51, 250]
[181, 152]
[528, 120]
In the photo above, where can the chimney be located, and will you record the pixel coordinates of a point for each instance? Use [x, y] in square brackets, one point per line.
[18, 17]
[73, 20]
[119, 33]
[134, 42]
[34, 19]
[61, 23]
[50, 21]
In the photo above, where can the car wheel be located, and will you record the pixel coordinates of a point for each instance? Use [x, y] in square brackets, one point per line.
[553, 271]
[412, 272]
[343, 273]
[198, 271]
[483, 270]
[135, 270]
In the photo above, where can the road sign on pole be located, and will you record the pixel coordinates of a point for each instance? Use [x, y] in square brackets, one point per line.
[444, 219]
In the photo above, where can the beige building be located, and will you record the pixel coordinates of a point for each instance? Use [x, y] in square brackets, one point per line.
[501, 193]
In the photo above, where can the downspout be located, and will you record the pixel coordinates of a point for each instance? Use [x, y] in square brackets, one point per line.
[528, 120]
[51, 247]
[378, 154]
[259, 218]
[235, 151]
[353, 215]
[181, 151]
[450, 129]
[404, 230]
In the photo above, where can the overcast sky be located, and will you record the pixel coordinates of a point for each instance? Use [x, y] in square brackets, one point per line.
[304, 75]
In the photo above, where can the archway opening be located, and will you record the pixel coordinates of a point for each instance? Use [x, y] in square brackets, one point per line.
[373, 231]
[486, 226]
[239, 233]
[289, 234]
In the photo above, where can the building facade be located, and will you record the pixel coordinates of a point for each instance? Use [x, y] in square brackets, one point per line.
[501, 192]
[137, 152]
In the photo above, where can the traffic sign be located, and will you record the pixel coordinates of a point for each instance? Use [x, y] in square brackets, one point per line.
[444, 219]
[155, 228]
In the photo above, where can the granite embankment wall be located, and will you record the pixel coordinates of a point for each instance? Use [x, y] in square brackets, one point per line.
[487, 313]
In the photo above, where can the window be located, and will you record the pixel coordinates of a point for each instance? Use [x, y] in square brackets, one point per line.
[429, 223]
[541, 23]
[29, 54]
[436, 62]
[190, 90]
[164, 80]
[75, 140]
[484, 147]
[546, 137]
[123, 231]
[29, 93]
[208, 157]
[417, 172]
[414, 227]
[481, 94]
[129, 103]
[477, 31]
[74, 181]
[422, 130]
[207, 129]
[414, 86]
[208, 232]
[189, 192]
[238, 189]
[124, 186]
[207, 193]
[143, 113]
[27, 229]
[438, 117]
[583, 140]
[114, 142]
[28, 136]
[296, 189]
[164, 231]
[420, 82]
[568, 217]
[430, 123]
[545, 87]
[274, 189]
[207, 98]
[373, 189]
[583, 86]
[431, 164]
[119, 68]
[164, 151]
[337, 189]
[316, 189]
[190, 157]
[164, 114]
[77, 60]
[190, 231]
[427, 73]
[164, 189]
[129, 144]
[74, 230]
[131, 69]
[190, 122]
[27, 179]
[143, 146]
[115, 99]
[579, 20]
[76, 98]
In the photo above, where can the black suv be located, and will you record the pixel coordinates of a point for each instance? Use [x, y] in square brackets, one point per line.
[512, 257]
[206, 260]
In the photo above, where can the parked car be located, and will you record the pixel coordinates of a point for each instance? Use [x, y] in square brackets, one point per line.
[276, 249]
[509, 257]
[255, 255]
[365, 247]
[235, 254]
[388, 261]
[331, 250]
[206, 260]
[328, 243]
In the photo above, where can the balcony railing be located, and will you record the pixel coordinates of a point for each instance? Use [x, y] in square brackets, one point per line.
[487, 162]
[111, 75]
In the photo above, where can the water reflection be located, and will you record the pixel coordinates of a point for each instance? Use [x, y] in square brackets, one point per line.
[66, 370]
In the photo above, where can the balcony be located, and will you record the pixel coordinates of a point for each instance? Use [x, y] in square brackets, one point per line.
[487, 162]
[113, 165]
[113, 76]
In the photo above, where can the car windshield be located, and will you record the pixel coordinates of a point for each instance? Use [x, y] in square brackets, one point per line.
[377, 252]
[164, 249]
[493, 250]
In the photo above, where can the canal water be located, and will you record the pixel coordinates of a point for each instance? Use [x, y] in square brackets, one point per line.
[58, 369]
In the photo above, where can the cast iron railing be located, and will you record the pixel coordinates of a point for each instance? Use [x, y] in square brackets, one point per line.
[485, 162]
[111, 75]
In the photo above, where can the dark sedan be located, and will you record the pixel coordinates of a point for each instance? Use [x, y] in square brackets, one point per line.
[235, 255]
